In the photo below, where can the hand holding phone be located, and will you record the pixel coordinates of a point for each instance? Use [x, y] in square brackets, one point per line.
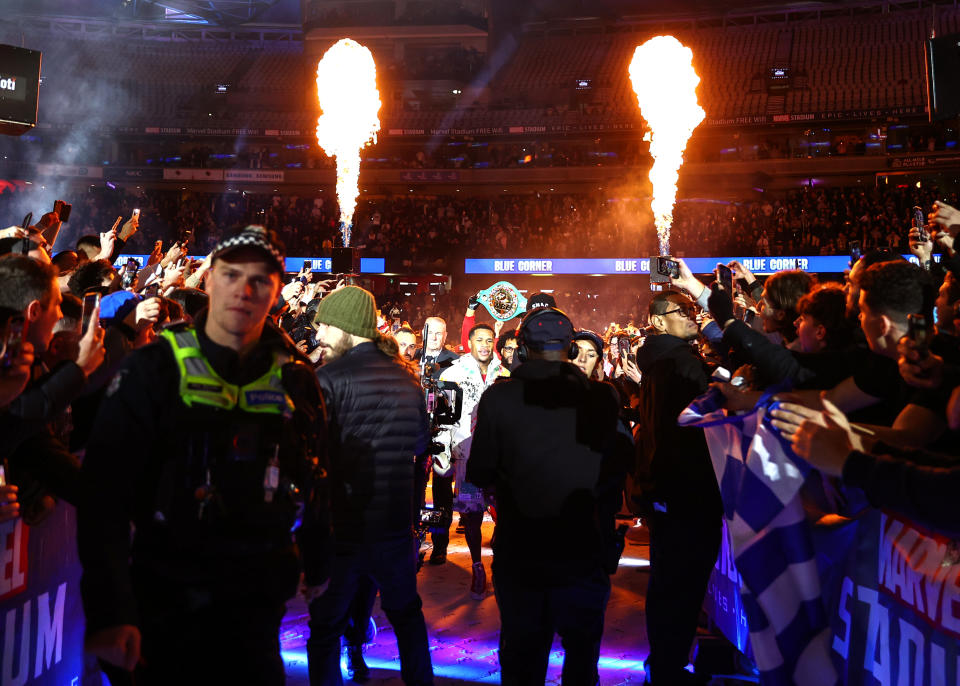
[663, 270]
[623, 348]
[91, 352]
[62, 210]
[725, 277]
[918, 331]
[855, 252]
[16, 359]
[91, 304]
[920, 224]
[15, 334]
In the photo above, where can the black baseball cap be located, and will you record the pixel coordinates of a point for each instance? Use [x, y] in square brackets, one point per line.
[592, 337]
[259, 238]
[546, 328]
[541, 300]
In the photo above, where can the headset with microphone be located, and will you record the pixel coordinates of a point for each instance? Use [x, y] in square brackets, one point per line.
[523, 348]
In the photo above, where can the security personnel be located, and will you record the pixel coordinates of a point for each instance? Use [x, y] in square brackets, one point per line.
[549, 441]
[211, 442]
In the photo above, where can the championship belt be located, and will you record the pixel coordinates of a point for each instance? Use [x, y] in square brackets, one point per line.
[503, 301]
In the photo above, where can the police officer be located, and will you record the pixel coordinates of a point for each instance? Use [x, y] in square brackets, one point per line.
[208, 441]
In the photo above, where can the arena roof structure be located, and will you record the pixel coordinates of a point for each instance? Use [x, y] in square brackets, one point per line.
[213, 13]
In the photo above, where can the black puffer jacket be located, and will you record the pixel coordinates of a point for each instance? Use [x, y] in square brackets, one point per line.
[673, 462]
[378, 425]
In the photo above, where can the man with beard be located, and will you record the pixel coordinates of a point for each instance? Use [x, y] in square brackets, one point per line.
[474, 373]
[379, 435]
[407, 341]
[507, 349]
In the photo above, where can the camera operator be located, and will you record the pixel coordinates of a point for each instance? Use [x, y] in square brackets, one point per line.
[549, 441]
[209, 442]
[434, 351]
[473, 373]
[437, 358]
[379, 438]
[679, 497]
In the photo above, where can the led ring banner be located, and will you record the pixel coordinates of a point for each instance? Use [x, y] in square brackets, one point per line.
[503, 301]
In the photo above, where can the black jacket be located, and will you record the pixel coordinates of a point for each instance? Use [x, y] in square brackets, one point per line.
[775, 364]
[917, 484]
[673, 463]
[38, 462]
[378, 426]
[49, 395]
[550, 442]
[144, 462]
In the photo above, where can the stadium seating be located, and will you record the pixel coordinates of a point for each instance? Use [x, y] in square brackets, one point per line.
[841, 64]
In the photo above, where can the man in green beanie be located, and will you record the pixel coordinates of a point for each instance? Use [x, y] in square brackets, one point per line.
[378, 426]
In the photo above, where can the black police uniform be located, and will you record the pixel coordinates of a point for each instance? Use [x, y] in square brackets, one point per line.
[213, 493]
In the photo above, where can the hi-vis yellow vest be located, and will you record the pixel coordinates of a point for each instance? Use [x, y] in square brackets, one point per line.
[200, 384]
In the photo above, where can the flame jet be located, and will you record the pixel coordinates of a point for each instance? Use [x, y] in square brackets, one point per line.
[665, 83]
[350, 104]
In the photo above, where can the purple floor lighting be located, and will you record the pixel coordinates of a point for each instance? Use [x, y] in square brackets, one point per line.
[464, 632]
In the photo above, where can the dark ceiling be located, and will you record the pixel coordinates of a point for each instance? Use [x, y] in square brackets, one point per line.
[288, 11]
[554, 9]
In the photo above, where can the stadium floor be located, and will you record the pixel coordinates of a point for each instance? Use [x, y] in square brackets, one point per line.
[463, 631]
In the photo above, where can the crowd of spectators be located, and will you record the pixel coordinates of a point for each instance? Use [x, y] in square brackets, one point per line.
[813, 221]
[434, 234]
[468, 152]
[875, 403]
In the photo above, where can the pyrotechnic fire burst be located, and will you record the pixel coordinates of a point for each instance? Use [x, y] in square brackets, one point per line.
[350, 103]
[665, 82]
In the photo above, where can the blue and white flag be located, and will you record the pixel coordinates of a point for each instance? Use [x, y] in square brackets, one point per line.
[760, 480]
